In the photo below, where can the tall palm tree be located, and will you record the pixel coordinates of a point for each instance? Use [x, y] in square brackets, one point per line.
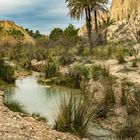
[77, 8]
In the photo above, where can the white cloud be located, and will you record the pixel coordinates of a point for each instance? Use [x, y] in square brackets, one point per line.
[10, 6]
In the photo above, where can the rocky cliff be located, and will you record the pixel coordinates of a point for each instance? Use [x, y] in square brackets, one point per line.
[8, 25]
[124, 9]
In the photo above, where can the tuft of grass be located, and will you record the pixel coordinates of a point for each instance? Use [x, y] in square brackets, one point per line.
[99, 72]
[6, 72]
[39, 117]
[109, 95]
[77, 74]
[51, 70]
[109, 99]
[66, 59]
[74, 116]
[15, 106]
[124, 93]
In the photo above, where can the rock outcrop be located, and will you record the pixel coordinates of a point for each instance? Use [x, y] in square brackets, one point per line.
[124, 9]
[8, 25]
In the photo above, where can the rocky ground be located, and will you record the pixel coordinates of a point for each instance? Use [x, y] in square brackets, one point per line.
[13, 126]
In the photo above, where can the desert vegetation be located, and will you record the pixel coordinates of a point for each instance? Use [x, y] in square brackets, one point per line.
[104, 70]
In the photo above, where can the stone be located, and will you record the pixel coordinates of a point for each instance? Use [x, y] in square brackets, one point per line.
[124, 9]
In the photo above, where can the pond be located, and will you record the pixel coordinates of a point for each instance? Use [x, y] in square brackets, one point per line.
[38, 98]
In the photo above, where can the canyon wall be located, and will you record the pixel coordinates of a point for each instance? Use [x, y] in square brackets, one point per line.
[124, 9]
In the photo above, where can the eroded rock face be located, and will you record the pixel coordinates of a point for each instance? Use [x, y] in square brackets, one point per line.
[124, 9]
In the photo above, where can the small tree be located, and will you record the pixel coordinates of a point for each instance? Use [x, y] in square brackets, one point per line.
[56, 34]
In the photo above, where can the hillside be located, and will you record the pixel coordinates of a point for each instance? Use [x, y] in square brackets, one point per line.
[6, 26]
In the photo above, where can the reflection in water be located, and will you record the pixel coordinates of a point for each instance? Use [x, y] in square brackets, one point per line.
[39, 98]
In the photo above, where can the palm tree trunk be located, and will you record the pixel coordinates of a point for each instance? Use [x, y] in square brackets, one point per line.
[89, 26]
[96, 22]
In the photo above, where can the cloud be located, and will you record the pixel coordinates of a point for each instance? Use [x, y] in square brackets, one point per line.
[43, 15]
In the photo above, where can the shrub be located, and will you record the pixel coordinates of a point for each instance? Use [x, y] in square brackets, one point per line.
[66, 59]
[77, 73]
[51, 70]
[15, 106]
[109, 95]
[124, 93]
[6, 72]
[56, 34]
[74, 116]
[98, 72]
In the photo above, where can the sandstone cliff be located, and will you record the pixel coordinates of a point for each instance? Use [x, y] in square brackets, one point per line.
[7, 25]
[124, 9]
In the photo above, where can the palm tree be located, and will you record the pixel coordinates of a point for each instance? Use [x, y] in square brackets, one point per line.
[104, 26]
[77, 8]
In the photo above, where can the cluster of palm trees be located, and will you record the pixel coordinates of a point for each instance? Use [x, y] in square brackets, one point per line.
[89, 9]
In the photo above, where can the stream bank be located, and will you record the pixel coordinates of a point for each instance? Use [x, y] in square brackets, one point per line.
[17, 126]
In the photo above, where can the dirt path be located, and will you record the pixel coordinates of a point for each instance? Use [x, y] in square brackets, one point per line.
[15, 127]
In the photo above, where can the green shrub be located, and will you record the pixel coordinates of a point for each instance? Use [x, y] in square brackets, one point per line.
[98, 72]
[15, 106]
[74, 116]
[66, 59]
[77, 74]
[51, 70]
[56, 34]
[109, 95]
[6, 72]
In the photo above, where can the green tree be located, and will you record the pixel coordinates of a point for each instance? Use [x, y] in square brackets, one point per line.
[77, 8]
[71, 31]
[55, 34]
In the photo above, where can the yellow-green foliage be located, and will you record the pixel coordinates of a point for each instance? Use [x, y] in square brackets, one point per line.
[74, 116]
[6, 72]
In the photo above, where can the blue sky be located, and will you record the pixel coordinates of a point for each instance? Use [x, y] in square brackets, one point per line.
[43, 15]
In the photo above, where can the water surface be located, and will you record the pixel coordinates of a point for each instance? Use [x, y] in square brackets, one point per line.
[39, 98]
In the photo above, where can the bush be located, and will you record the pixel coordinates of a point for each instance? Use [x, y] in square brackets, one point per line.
[77, 74]
[74, 116]
[6, 72]
[51, 70]
[15, 106]
[98, 72]
[56, 34]
[66, 59]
